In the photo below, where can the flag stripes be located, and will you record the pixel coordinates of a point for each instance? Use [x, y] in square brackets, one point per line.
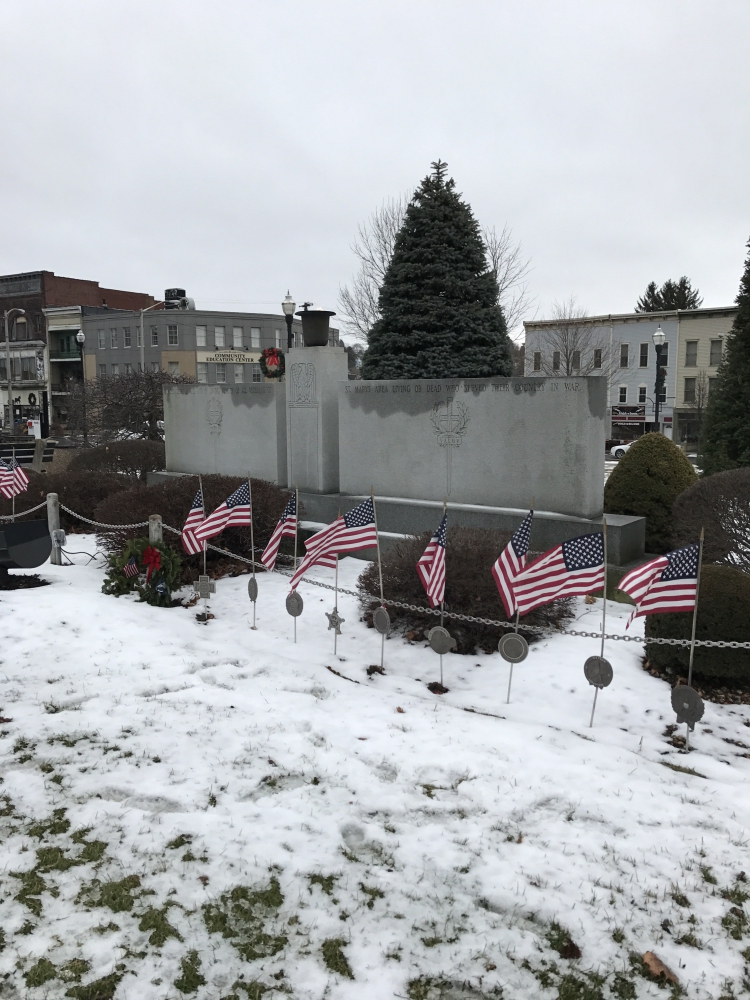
[574, 568]
[431, 567]
[235, 512]
[286, 526]
[195, 517]
[511, 562]
[663, 585]
[355, 530]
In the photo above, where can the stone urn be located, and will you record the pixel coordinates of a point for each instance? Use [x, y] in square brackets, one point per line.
[315, 326]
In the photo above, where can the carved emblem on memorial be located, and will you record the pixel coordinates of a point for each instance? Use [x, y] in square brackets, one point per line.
[303, 384]
[214, 415]
[449, 422]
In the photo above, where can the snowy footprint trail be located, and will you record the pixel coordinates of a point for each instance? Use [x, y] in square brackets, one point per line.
[208, 811]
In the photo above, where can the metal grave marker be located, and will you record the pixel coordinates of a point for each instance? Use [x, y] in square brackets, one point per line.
[204, 587]
[294, 604]
[598, 671]
[252, 589]
[335, 621]
[688, 705]
[513, 647]
[440, 640]
[382, 621]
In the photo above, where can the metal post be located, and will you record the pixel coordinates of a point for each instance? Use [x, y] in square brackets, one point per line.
[203, 505]
[604, 614]
[336, 602]
[380, 575]
[695, 622]
[143, 349]
[155, 532]
[658, 387]
[83, 400]
[252, 538]
[53, 523]
[6, 318]
[289, 334]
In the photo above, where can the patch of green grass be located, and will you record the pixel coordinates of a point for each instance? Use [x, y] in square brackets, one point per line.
[57, 824]
[22, 744]
[72, 971]
[191, 978]
[40, 973]
[46, 768]
[735, 923]
[573, 987]
[735, 894]
[32, 886]
[326, 882]
[117, 896]
[681, 899]
[156, 921]
[180, 841]
[106, 928]
[431, 942]
[560, 941]
[708, 875]
[7, 809]
[241, 916]
[188, 856]
[618, 935]
[54, 859]
[252, 990]
[334, 957]
[100, 989]
[623, 989]
[689, 939]
[27, 928]
[373, 893]
[681, 769]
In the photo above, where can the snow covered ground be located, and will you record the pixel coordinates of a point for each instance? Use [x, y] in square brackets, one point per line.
[208, 811]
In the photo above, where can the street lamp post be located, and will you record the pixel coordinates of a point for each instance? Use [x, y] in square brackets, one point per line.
[6, 318]
[81, 338]
[658, 339]
[289, 305]
[143, 342]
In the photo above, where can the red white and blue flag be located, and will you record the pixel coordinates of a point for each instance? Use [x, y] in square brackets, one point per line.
[431, 567]
[286, 526]
[189, 542]
[511, 562]
[355, 530]
[666, 584]
[13, 480]
[131, 567]
[233, 513]
[574, 568]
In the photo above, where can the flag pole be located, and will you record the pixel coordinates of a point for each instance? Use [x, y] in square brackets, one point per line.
[692, 637]
[604, 613]
[442, 603]
[12, 484]
[296, 534]
[518, 615]
[380, 575]
[203, 504]
[336, 597]
[252, 538]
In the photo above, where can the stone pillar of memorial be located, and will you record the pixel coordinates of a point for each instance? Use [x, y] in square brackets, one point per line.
[313, 374]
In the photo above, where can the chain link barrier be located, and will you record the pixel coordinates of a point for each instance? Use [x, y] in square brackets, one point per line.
[453, 615]
[21, 513]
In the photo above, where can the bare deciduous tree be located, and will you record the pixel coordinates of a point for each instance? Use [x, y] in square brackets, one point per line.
[121, 406]
[373, 247]
[572, 346]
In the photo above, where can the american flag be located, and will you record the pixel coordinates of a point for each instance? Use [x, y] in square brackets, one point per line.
[353, 531]
[431, 567]
[286, 526]
[189, 542]
[13, 480]
[668, 583]
[131, 567]
[575, 567]
[234, 512]
[510, 563]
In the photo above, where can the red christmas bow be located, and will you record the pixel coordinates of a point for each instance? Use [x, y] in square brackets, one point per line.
[151, 559]
[272, 357]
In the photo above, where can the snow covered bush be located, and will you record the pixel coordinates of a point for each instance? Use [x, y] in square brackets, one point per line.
[166, 570]
[470, 588]
[646, 482]
[723, 613]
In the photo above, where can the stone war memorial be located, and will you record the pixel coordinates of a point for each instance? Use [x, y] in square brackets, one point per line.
[488, 447]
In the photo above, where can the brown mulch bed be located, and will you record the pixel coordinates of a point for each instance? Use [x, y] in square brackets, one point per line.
[710, 689]
[27, 582]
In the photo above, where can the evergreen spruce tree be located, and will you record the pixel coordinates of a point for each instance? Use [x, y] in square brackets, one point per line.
[672, 295]
[725, 442]
[440, 316]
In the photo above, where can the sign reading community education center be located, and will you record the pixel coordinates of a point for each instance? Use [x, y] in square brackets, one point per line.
[228, 357]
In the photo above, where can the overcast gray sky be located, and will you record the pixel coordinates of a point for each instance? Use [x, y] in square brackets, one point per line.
[233, 147]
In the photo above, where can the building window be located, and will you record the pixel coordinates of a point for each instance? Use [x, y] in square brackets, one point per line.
[237, 338]
[537, 361]
[200, 336]
[689, 395]
[126, 342]
[113, 339]
[277, 338]
[715, 358]
[691, 354]
[102, 339]
[221, 373]
[663, 394]
[643, 360]
[128, 368]
[154, 366]
[597, 357]
[172, 335]
[154, 336]
[641, 393]
[20, 329]
[624, 351]
[576, 360]
[218, 336]
[712, 385]
[664, 355]
[257, 375]
[255, 336]
[174, 367]
[138, 337]
[555, 361]
[623, 394]
[202, 372]
[238, 375]
[102, 371]
[115, 369]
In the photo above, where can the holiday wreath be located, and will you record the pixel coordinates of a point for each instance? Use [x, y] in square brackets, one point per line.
[153, 571]
[272, 362]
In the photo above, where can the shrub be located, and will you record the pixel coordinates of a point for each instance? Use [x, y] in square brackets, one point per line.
[723, 613]
[129, 458]
[81, 491]
[720, 504]
[647, 481]
[158, 590]
[172, 500]
[470, 588]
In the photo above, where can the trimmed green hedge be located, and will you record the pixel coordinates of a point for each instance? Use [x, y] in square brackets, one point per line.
[647, 481]
[723, 613]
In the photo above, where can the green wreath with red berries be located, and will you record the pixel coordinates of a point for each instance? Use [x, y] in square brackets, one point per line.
[272, 362]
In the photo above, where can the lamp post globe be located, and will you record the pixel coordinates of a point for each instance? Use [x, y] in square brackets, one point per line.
[288, 306]
[658, 339]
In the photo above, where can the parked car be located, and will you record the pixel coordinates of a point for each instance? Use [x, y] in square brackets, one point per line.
[619, 449]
